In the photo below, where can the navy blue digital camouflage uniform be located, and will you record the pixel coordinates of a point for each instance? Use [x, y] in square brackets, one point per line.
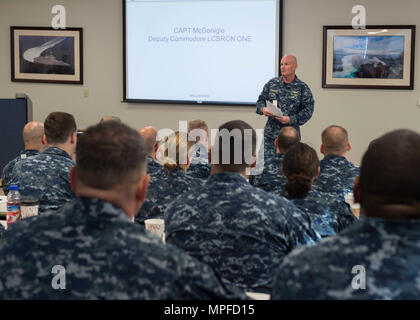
[170, 185]
[200, 167]
[295, 101]
[271, 177]
[45, 177]
[387, 250]
[329, 214]
[105, 256]
[8, 168]
[154, 169]
[337, 175]
[240, 231]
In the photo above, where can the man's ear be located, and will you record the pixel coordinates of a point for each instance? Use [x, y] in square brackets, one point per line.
[275, 142]
[348, 146]
[319, 170]
[142, 187]
[44, 140]
[322, 148]
[156, 147]
[72, 174]
[73, 137]
[357, 190]
[254, 162]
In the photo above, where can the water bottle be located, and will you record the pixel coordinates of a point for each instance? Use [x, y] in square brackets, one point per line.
[13, 204]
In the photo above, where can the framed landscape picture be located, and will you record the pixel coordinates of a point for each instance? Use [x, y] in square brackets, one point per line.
[378, 57]
[41, 54]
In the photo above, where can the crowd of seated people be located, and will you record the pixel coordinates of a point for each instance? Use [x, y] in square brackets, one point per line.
[227, 233]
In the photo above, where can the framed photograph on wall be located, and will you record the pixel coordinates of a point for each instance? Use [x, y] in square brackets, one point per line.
[378, 57]
[41, 54]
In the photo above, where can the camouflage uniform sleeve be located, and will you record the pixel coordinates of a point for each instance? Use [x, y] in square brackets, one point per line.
[306, 107]
[5, 177]
[198, 281]
[344, 214]
[292, 279]
[262, 98]
[14, 175]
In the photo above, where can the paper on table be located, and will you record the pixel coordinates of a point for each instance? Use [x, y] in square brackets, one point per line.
[273, 108]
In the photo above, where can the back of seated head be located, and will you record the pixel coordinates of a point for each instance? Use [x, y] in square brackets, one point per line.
[177, 151]
[300, 166]
[335, 140]
[110, 118]
[110, 154]
[234, 148]
[32, 135]
[58, 127]
[198, 130]
[389, 185]
[287, 137]
[149, 135]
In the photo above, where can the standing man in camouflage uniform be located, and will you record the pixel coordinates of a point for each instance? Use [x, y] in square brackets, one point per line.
[337, 173]
[377, 257]
[46, 175]
[91, 242]
[32, 139]
[294, 98]
[240, 231]
[272, 177]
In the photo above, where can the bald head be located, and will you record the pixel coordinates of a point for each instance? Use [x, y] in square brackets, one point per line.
[287, 137]
[149, 135]
[32, 135]
[291, 58]
[335, 141]
[390, 176]
[288, 66]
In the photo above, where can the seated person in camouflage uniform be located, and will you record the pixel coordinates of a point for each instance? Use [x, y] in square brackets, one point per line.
[175, 154]
[329, 214]
[32, 139]
[379, 256]
[198, 131]
[46, 175]
[240, 231]
[92, 240]
[272, 175]
[337, 173]
[154, 168]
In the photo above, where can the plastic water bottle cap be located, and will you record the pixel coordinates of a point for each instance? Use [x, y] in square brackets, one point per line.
[13, 187]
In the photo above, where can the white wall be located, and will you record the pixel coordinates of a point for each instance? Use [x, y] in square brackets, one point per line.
[365, 113]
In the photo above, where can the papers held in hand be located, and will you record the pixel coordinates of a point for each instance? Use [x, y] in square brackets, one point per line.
[272, 107]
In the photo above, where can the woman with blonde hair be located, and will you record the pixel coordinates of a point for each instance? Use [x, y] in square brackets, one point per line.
[175, 156]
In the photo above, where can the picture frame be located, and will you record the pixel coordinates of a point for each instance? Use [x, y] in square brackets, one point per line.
[377, 57]
[43, 54]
